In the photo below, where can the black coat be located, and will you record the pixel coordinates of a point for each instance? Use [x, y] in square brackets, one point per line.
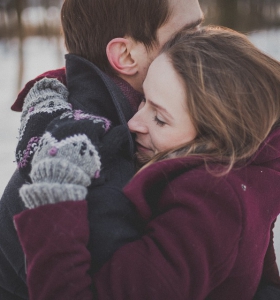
[113, 220]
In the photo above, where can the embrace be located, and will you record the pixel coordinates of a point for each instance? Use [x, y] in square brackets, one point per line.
[148, 167]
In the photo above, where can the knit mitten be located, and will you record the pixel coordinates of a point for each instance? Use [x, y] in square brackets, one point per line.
[46, 100]
[65, 160]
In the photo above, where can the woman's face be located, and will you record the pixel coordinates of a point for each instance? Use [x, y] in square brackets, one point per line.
[162, 121]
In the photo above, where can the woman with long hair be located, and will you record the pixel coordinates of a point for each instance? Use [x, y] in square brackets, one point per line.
[208, 136]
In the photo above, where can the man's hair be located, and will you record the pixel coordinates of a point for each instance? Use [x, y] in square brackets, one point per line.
[233, 94]
[89, 25]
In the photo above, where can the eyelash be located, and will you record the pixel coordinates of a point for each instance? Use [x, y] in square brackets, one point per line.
[159, 122]
[156, 119]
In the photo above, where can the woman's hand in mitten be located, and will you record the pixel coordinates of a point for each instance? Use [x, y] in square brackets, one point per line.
[46, 100]
[66, 160]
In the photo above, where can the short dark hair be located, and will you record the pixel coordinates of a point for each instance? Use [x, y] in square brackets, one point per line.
[89, 25]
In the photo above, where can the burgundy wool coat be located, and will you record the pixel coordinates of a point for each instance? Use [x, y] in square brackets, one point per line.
[205, 237]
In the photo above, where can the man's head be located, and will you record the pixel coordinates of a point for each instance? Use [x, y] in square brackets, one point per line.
[122, 37]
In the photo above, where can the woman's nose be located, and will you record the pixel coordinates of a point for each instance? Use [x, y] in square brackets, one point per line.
[137, 123]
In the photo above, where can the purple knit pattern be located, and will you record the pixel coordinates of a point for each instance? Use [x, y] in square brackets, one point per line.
[134, 97]
[29, 151]
[80, 115]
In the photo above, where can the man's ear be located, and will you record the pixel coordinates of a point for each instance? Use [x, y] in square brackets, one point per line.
[119, 54]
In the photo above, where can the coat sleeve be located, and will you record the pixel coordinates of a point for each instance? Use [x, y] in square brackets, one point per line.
[12, 272]
[58, 74]
[54, 239]
[184, 252]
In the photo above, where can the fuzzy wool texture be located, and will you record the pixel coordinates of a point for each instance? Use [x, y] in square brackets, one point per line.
[58, 147]
[38, 194]
[46, 100]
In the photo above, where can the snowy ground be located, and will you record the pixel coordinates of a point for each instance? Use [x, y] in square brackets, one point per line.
[40, 55]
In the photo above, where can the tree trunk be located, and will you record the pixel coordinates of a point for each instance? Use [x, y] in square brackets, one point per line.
[19, 8]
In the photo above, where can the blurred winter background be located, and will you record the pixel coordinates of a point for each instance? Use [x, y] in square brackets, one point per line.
[31, 43]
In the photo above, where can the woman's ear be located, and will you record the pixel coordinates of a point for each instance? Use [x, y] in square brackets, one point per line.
[119, 54]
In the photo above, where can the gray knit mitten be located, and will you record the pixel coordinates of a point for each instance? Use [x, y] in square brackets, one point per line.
[46, 100]
[62, 167]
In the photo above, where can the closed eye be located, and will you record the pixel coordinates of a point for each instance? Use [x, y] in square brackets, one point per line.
[159, 122]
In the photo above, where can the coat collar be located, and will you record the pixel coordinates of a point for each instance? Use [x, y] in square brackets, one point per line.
[151, 180]
[93, 91]
[269, 149]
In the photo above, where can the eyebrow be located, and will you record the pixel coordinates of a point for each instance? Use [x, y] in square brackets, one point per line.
[194, 24]
[161, 108]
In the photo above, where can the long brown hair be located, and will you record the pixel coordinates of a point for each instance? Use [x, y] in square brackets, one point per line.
[89, 25]
[233, 94]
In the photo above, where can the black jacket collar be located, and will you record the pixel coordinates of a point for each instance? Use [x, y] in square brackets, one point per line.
[94, 92]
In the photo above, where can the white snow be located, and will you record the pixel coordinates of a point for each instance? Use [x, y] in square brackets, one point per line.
[40, 55]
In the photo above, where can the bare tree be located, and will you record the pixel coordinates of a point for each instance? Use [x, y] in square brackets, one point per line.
[19, 6]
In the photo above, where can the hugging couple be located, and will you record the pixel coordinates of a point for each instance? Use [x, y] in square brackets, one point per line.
[148, 167]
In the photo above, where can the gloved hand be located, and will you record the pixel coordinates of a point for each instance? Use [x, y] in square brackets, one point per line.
[46, 100]
[66, 159]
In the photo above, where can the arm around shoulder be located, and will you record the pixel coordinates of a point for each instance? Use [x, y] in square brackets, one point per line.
[186, 248]
[184, 251]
